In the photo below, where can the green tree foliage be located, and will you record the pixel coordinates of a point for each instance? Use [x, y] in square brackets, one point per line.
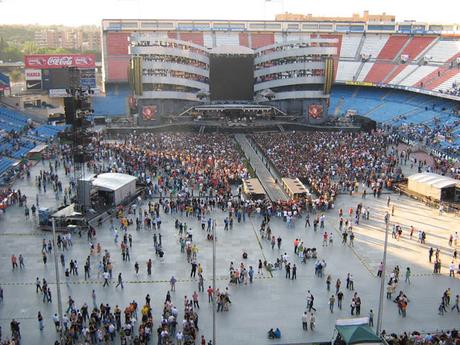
[18, 40]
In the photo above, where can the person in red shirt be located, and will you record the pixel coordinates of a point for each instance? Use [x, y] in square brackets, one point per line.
[210, 293]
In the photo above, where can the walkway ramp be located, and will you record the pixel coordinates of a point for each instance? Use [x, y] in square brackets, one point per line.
[261, 166]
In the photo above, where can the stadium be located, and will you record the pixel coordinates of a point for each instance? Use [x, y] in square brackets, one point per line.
[395, 74]
[268, 170]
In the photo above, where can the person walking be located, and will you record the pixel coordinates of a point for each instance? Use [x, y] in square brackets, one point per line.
[93, 296]
[195, 300]
[456, 304]
[339, 300]
[120, 281]
[408, 274]
[380, 270]
[41, 325]
[172, 282]
[106, 277]
[305, 321]
[21, 262]
[14, 262]
[136, 269]
[331, 303]
[294, 272]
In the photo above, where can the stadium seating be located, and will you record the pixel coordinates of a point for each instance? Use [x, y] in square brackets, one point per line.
[350, 44]
[414, 78]
[11, 120]
[347, 70]
[114, 103]
[18, 138]
[378, 72]
[390, 106]
[373, 44]
[5, 164]
[417, 45]
[392, 47]
[447, 80]
[364, 71]
[443, 50]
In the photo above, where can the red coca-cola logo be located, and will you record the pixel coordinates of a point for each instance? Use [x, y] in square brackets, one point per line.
[60, 61]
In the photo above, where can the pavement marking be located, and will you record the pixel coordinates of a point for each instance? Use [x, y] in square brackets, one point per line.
[358, 256]
[34, 233]
[111, 282]
[260, 244]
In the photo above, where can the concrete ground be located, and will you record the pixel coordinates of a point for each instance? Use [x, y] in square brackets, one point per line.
[271, 301]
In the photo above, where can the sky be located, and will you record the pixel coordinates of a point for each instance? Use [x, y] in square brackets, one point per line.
[91, 12]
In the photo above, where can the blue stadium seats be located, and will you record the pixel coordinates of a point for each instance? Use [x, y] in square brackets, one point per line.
[18, 145]
[5, 164]
[396, 107]
[115, 102]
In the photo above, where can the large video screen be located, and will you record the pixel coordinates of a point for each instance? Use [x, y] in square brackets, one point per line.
[231, 77]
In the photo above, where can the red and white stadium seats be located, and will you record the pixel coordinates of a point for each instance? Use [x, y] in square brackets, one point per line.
[373, 44]
[392, 47]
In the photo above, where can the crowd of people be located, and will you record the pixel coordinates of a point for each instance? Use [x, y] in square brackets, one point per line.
[191, 176]
[331, 162]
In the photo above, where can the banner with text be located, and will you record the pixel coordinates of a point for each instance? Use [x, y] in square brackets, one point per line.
[43, 61]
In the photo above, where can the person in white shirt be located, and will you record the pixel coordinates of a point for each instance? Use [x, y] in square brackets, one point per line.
[452, 269]
[179, 337]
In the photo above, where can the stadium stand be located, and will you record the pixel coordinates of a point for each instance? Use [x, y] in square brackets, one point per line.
[378, 72]
[443, 50]
[364, 70]
[393, 45]
[350, 45]
[18, 137]
[414, 78]
[446, 82]
[114, 103]
[417, 45]
[373, 44]
[5, 164]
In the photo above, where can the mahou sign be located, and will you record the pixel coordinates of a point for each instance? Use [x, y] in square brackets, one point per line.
[60, 61]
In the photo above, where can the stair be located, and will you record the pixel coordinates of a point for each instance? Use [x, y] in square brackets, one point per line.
[358, 71]
[202, 128]
[360, 46]
[374, 109]
[407, 76]
[280, 127]
[393, 73]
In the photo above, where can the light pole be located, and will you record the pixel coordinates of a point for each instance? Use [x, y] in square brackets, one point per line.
[214, 285]
[58, 283]
[382, 278]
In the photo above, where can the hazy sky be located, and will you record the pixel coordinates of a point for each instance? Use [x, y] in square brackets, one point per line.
[82, 12]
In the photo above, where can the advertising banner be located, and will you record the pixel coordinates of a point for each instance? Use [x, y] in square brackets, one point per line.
[33, 74]
[33, 84]
[45, 61]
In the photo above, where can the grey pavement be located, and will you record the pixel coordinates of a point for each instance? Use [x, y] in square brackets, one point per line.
[271, 301]
[273, 189]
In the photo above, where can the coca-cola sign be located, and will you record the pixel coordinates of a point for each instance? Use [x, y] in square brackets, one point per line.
[60, 61]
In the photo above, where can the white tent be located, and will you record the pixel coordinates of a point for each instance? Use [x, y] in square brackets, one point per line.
[431, 185]
[122, 185]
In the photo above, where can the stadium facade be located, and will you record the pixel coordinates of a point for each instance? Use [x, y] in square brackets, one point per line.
[293, 63]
